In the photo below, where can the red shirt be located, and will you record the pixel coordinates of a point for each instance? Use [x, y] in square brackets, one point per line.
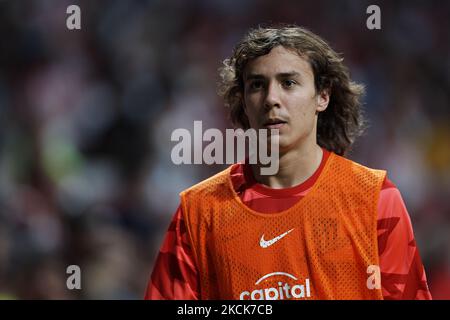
[403, 276]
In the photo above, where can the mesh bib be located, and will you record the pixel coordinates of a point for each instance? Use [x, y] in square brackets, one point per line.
[320, 248]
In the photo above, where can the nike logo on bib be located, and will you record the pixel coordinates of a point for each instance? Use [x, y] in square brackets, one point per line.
[264, 244]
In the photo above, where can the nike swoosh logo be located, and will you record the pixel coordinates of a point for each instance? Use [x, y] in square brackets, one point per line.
[264, 244]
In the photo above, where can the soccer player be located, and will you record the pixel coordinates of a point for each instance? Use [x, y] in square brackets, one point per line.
[322, 227]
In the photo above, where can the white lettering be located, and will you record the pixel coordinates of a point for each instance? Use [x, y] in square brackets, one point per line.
[74, 20]
[284, 291]
[374, 279]
[213, 153]
[374, 20]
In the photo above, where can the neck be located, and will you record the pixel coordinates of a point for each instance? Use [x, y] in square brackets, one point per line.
[295, 167]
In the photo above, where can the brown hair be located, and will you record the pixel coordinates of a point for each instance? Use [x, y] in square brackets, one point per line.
[337, 126]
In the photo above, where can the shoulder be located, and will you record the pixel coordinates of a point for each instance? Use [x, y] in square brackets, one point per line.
[388, 184]
[391, 203]
[390, 195]
[356, 171]
[211, 184]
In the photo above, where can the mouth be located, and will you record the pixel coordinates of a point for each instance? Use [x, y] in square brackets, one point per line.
[274, 123]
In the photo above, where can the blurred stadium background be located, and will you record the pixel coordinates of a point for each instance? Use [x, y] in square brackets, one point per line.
[86, 118]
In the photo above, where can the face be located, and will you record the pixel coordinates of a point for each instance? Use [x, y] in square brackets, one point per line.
[279, 93]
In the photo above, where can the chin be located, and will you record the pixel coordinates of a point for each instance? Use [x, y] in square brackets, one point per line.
[283, 144]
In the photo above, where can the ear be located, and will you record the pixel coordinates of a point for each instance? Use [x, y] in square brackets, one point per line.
[323, 98]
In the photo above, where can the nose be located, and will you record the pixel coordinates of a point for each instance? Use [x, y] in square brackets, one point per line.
[272, 96]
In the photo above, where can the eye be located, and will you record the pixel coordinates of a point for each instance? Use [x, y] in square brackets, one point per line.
[256, 85]
[289, 83]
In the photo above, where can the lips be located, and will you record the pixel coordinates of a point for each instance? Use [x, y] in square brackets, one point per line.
[274, 123]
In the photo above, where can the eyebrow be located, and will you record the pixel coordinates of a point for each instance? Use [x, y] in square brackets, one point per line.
[291, 74]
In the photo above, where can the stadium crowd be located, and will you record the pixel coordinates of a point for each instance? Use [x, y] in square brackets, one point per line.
[86, 118]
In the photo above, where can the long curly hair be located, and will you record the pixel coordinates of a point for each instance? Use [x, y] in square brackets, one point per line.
[340, 123]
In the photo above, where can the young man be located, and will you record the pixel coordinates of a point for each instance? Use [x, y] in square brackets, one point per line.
[322, 227]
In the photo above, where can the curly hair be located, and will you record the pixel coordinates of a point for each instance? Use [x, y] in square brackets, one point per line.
[340, 123]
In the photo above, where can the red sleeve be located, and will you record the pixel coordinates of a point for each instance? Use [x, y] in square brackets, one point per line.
[174, 275]
[402, 272]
